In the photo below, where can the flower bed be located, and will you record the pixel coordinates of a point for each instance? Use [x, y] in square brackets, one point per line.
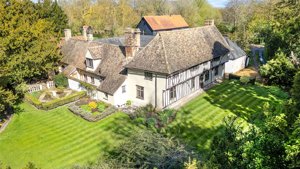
[55, 102]
[91, 110]
[153, 119]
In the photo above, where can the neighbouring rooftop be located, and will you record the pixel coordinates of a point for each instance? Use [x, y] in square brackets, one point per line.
[166, 22]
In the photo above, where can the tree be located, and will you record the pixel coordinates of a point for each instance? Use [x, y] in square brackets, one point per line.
[150, 150]
[279, 71]
[28, 48]
[286, 24]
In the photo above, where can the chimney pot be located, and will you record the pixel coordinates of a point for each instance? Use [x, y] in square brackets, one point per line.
[209, 22]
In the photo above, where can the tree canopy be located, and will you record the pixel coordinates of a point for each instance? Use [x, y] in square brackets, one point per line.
[28, 47]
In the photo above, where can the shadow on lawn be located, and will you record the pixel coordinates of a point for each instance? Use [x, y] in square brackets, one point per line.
[192, 134]
[244, 101]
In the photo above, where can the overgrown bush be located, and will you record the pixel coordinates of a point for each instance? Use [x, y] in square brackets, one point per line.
[276, 91]
[128, 103]
[61, 80]
[153, 119]
[146, 149]
[244, 80]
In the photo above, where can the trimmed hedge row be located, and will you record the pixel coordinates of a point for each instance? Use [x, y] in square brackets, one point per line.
[54, 103]
[236, 77]
[89, 116]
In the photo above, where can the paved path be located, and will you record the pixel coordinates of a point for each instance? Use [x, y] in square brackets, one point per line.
[4, 125]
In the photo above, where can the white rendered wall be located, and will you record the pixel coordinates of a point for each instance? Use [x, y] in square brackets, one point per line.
[136, 77]
[74, 85]
[236, 65]
[120, 98]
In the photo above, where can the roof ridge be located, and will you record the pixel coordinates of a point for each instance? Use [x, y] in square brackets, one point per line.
[187, 29]
[165, 54]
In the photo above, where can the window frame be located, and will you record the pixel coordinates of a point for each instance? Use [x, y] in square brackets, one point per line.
[92, 80]
[206, 76]
[173, 93]
[89, 63]
[216, 71]
[140, 92]
[193, 83]
[124, 89]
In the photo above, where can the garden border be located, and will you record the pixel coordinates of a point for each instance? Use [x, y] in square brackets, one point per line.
[85, 115]
[56, 102]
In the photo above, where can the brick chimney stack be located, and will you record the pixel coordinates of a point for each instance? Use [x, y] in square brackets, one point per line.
[84, 31]
[68, 34]
[132, 41]
[209, 22]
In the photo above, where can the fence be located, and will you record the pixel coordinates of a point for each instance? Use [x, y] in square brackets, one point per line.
[40, 86]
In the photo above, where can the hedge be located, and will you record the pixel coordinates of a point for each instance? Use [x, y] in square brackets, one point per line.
[54, 103]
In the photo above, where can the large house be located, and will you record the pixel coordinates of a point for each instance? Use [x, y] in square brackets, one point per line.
[151, 25]
[159, 69]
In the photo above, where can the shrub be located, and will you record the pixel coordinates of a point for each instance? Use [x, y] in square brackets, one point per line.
[244, 80]
[33, 100]
[60, 80]
[101, 106]
[276, 91]
[128, 103]
[87, 86]
[93, 105]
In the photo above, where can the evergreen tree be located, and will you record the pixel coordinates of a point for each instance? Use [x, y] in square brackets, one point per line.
[53, 13]
[28, 48]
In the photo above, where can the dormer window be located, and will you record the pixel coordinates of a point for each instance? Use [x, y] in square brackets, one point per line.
[89, 63]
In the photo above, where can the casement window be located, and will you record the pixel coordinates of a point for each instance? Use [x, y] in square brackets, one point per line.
[124, 89]
[89, 63]
[148, 75]
[92, 80]
[140, 92]
[206, 76]
[217, 71]
[85, 77]
[172, 93]
[193, 83]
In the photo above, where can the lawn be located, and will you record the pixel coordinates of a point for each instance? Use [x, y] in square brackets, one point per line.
[58, 138]
[201, 119]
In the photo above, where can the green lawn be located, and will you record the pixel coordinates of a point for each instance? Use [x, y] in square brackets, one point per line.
[58, 139]
[202, 118]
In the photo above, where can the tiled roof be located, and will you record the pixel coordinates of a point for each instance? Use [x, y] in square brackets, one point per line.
[235, 51]
[111, 65]
[171, 51]
[166, 22]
